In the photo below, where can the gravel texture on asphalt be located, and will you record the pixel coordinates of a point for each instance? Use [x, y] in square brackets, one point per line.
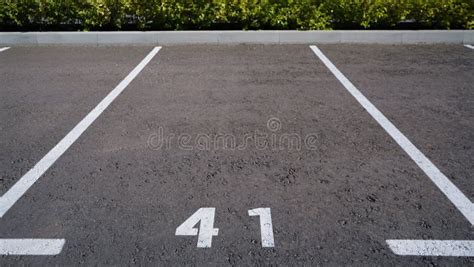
[117, 197]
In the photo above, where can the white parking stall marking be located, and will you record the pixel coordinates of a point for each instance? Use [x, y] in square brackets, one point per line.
[43, 247]
[458, 248]
[25, 182]
[4, 49]
[460, 201]
[469, 46]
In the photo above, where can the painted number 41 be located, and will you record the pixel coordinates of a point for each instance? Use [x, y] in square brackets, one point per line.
[205, 218]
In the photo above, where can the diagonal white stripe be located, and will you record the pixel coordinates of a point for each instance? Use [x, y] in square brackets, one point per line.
[462, 203]
[25, 182]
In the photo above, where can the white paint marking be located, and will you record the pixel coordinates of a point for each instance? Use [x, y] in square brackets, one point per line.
[469, 46]
[266, 226]
[31, 246]
[454, 248]
[22, 185]
[460, 201]
[4, 48]
[205, 218]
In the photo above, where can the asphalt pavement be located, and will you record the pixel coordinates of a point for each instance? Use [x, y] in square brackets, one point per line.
[231, 128]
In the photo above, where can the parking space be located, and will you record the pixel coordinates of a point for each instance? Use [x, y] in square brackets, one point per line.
[236, 128]
[427, 92]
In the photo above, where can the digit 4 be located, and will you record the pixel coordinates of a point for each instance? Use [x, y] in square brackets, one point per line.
[205, 218]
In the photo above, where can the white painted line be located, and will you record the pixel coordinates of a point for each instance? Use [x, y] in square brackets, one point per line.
[22, 185]
[469, 46]
[4, 48]
[460, 201]
[205, 217]
[31, 246]
[455, 248]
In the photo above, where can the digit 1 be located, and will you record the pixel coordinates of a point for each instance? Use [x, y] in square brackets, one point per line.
[266, 227]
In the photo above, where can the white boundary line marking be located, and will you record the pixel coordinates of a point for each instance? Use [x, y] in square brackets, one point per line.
[4, 49]
[460, 201]
[25, 182]
[454, 248]
[31, 246]
[469, 46]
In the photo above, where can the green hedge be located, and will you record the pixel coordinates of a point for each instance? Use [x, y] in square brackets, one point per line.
[233, 14]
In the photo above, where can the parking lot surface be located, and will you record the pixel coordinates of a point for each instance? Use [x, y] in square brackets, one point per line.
[232, 128]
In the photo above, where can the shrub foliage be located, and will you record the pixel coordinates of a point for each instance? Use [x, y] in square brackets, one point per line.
[234, 14]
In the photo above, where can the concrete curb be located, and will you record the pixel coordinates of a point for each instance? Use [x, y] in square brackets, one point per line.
[236, 37]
